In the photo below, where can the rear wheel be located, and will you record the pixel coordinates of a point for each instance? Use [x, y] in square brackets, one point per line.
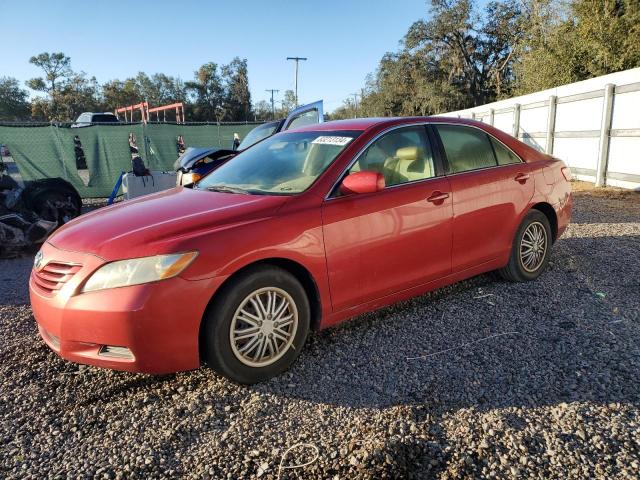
[531, 249]
[256, 326]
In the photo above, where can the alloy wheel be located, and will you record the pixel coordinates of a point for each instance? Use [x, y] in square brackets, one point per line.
[263, 327]
[533, 247]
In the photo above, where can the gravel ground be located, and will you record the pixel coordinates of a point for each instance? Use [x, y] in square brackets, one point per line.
[540, 381]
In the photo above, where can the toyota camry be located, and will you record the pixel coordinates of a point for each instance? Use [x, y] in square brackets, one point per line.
[301, 231]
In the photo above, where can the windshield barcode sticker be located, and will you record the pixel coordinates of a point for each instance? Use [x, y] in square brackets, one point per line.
[326, 140]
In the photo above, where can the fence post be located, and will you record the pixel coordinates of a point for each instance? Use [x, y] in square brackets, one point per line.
[491, 115]
[146, 144]
[516, 120]
[605, 132]
[551, 123]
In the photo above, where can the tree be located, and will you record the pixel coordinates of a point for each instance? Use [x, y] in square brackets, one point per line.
[160, 89]
[79, 94]
[57, 68]
[609, 34]
[262, 111]
[117, 93]
[458, 58]
[14, 104]
[565, 43]
[206, 92]
[237, 96]
[287, 104]
[473, 53]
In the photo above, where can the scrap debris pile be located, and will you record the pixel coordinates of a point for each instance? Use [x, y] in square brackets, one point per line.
[29, 214]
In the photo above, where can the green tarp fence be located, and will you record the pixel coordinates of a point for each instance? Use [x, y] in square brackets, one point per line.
[46, 150]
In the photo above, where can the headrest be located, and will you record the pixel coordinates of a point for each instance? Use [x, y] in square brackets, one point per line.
[408, 153]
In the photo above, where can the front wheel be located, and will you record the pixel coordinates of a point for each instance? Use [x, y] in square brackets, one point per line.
[531, 249]
[256, 326]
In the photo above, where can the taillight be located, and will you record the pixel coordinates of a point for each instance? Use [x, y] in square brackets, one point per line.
[566, 173]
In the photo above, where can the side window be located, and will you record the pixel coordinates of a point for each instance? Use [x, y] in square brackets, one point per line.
[401, 156]
[467, 148]
[504, 155]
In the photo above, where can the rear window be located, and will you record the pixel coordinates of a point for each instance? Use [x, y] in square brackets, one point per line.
[104, 118]
[466, 148]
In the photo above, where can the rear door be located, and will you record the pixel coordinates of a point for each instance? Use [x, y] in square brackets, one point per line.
[488, 196]
[384, 242]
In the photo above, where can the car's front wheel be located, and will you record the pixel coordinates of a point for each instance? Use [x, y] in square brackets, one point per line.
[531, 249]
[256, 326]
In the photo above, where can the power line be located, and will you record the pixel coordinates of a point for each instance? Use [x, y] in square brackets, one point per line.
[273, 108]
[297, 60]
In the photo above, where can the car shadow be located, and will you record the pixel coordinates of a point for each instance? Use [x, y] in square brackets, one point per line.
[485, 343]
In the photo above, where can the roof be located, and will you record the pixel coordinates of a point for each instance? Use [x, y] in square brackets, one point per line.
[361, 124]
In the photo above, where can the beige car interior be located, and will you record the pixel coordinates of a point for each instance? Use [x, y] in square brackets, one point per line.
[398, 164]
[317, 159]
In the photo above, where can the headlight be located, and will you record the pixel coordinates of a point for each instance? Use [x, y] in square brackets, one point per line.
[188, 178]
[138, 270]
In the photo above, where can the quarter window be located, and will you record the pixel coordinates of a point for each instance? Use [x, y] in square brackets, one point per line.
[466, 148]
[504, 155]
[401, 156]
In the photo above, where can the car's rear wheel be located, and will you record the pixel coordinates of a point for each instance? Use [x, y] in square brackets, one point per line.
[256, 325]
[531, 249]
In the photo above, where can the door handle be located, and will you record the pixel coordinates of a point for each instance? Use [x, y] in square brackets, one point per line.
[437, 197]
[522, 177]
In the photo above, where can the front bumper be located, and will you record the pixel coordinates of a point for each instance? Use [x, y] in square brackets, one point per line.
[158, 322]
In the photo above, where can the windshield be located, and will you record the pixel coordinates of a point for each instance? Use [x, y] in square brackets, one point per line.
[257, 134]
[285, 164]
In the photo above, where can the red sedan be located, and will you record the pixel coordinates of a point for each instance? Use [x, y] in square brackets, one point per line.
[301, 231]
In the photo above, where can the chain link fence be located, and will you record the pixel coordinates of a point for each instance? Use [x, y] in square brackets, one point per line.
[92, 157]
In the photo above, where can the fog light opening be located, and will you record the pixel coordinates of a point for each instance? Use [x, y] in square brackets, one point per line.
[55, 341]
[115, 352]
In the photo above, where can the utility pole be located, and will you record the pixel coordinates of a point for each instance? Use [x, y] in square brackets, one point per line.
[273, 107]
[297, 60]
[355, 103]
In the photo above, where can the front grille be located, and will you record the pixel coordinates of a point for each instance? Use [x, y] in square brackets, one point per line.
[54, 275]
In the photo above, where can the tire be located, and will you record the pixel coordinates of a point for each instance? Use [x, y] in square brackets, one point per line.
[52, 199]
[535, 253]
[58, 206]
[236, 357]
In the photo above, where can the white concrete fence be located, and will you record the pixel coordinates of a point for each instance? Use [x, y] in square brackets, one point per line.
[594, 125]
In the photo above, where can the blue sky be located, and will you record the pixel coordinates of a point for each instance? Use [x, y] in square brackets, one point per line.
[344, 40]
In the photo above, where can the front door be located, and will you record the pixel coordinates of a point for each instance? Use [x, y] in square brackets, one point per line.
[384, 242]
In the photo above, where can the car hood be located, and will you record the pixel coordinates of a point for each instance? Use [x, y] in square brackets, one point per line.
[151, 224]
[192, 155]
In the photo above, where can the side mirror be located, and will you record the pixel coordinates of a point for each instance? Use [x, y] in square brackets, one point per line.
[362, 182]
